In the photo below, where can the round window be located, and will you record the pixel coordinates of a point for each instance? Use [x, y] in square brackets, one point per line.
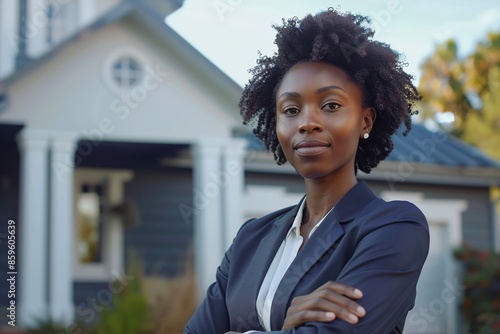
[126, 72]
[124, 69]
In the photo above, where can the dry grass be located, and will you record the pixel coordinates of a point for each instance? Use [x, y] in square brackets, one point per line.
[172, 301]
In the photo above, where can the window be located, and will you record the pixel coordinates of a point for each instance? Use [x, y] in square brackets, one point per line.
[89, 212]
[124, 69]
[61, 18]
[126, 72]
[98, 233]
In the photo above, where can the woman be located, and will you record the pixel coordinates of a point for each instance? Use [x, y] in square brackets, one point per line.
[342, 260]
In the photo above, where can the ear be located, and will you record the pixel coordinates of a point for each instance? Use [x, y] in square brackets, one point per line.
[369, 116]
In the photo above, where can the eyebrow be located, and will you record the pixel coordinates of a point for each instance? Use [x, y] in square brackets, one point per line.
[319, 91]
[327, 88]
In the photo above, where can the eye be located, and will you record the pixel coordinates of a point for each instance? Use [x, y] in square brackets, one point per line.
[291, 111]
[331, 106]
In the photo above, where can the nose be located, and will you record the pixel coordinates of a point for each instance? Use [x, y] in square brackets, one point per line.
[310, 121]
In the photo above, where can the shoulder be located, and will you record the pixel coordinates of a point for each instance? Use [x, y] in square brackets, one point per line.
[393, 212]
[394, 223]
[389, 223]
[266, 221]
[394, 232]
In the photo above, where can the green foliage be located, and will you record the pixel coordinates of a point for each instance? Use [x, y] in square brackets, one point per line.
[129, 313]
[51, 326]
[47, 326]
[469, 87]
[481, 304]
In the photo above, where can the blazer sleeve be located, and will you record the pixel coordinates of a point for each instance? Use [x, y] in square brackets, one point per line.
[385, 266]
[212, 316]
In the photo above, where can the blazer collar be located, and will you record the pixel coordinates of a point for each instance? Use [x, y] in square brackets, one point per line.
[352, 202]
[327, 234]
[345, 210]
[264, 255]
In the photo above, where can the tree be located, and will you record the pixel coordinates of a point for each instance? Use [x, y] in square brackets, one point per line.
[468, 87]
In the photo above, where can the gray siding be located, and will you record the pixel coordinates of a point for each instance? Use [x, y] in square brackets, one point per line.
[89, 299]
[162, 238]
[476, 219]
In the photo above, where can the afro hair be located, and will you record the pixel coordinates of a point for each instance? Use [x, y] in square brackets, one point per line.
[344, 40]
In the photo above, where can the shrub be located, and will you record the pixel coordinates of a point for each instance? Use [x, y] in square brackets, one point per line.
[481, 304]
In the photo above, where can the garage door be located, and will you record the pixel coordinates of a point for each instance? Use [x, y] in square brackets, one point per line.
[435, 295]
[439, 288]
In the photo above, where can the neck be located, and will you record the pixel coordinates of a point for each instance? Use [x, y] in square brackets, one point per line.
[324, 193]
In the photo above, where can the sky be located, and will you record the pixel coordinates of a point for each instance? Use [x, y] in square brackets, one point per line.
[230, 32]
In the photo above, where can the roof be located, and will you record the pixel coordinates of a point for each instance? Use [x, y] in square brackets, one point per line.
[421, 156]
[437, 148]
[150, 13]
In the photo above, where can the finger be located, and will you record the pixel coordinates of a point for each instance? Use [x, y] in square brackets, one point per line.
[327, 300]
[343, 311]
[301, 317]
[342, 289]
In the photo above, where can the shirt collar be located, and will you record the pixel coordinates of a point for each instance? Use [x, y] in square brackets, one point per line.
[295, 228]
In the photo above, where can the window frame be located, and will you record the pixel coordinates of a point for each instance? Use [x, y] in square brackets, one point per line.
[115, 56]
[112, 232]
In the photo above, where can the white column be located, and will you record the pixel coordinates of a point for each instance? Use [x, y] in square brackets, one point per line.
[207, 203]
[33, 147]
[61, 227]
[36, 21]
[233, 178]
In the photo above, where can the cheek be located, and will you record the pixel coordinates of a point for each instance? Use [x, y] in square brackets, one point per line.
[345, 134]
[282, 131]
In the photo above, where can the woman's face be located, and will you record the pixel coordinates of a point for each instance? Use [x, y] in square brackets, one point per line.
[320, 119]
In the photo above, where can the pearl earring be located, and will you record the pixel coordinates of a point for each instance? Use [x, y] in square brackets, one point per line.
[366, 135]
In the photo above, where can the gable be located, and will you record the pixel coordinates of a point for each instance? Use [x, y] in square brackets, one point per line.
[72, 91]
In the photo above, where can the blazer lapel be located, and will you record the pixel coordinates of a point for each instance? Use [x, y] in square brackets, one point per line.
[264, 255]
[327, 234]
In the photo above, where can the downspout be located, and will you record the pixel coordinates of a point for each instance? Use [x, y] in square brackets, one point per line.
[495, 217]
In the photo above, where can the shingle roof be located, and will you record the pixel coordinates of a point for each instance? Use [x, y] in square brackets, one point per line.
[426, 147]
[437, 148]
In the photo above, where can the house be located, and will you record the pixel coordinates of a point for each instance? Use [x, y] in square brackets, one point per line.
[122, 137]
[107, 114]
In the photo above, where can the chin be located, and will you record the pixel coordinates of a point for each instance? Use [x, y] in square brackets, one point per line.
[324, 167]
[312, 173]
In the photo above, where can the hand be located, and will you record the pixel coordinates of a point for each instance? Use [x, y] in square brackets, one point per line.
[330, 301]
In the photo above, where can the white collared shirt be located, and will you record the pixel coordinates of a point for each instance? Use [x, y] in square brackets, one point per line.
[282, 260]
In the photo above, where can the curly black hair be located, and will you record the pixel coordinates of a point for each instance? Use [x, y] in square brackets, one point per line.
[343, 40]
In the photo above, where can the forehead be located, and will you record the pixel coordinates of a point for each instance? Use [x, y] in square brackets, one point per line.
[313, 75]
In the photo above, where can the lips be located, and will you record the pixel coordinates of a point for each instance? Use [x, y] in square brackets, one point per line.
[311, 147]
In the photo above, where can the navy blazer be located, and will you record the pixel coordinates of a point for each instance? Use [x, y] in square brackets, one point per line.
[376, 246]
